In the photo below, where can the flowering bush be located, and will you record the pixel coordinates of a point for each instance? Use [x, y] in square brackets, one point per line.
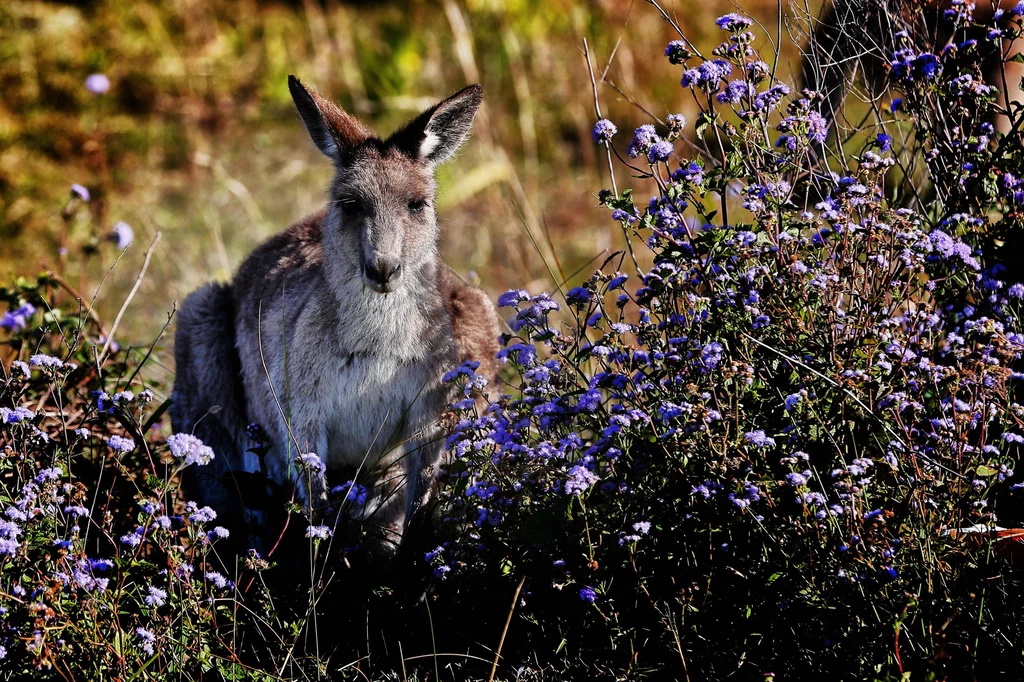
[775, 435]
[767, 448]
[101, 571]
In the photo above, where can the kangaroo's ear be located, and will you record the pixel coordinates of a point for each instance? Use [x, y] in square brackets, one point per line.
[435, 135]
[333, 131]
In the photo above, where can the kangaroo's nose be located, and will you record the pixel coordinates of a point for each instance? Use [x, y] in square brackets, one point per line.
[383, 271]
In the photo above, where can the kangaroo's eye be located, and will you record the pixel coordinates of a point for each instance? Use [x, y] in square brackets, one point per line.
[416, 205]
[350, 206]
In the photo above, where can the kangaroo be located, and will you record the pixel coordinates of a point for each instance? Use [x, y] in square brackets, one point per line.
[335, 335]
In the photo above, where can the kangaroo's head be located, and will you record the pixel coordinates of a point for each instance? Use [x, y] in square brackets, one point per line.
[380, 225]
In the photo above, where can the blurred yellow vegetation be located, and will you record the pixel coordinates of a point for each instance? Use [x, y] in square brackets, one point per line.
[197, 138]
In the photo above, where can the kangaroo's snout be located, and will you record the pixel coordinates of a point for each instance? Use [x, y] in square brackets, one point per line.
[382, 274]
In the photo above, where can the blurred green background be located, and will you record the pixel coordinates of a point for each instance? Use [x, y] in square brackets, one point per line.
[196, 137]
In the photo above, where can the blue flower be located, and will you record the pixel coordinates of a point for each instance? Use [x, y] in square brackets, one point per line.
[796, 479]
[604, 130]
[147, 640]
[199, 514]
[318, 532]
[580, 480]
[883, 141]
[17, 319]
[643, 139]
[677, 52]
[733, 22]
[660, 151]
[734, 92]
[18, 414]
[97, 84]
[620, 215]
[310, 461]
[122, 235]
[79, 192]
[155, 596]
[121, 444]
[218, 580]
[354, 492]
[189, 450]
[45, 361]
[577, 296]
[759, 439]
[513, 297]
[588, 595]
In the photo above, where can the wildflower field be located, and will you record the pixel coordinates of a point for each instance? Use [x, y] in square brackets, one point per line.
[757, 412]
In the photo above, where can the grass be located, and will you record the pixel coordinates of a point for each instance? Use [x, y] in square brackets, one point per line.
[197, 138]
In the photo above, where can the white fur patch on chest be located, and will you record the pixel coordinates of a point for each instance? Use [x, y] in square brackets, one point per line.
[371, 403]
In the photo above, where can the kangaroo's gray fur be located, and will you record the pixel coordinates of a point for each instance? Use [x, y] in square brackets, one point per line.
[350, 317]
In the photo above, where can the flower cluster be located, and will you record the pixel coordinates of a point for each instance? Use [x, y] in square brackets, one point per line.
[768, 393]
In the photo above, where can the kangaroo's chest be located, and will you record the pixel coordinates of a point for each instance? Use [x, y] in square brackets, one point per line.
[372, 404]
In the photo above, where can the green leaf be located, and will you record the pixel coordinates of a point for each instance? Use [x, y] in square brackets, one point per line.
[984, 471]
[703, 121]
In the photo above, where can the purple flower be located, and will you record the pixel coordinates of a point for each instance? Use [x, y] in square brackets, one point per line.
[577, 296]
[310, 461]
[588, 595]
[759, 439]
[190, 450]
[218, 533]
[47, 361]
[146, 640]
[199, 514]
[17, 319]
[817, 127]
[643, 139]
[318, 532]
[354, 492]
[884, 142]
[675, 122]
[796, 479]
[620, 215]
[218, 580]
[604, 130]
[734, 92]
[768, 100]
[18, 414]
[50, 474]
[121, 444]
[155, 596]
[660, 151]
[122, 235]
[97, 84]
[677, 52]
[580, 480]
[513, 297]
[733, 22]
[80, 192]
